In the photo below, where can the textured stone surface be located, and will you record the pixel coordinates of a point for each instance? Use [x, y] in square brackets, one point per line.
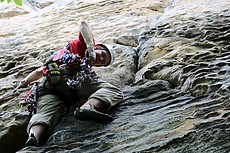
[172, 64]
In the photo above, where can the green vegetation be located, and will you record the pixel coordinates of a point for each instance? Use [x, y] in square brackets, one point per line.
[18, 2]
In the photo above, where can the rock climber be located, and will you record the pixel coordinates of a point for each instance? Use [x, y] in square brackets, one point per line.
[66, 79]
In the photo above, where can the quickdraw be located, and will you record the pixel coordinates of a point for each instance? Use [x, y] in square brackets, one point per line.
[31, 99]
[85, 76]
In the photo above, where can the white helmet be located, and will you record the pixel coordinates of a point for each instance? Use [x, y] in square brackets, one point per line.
[111, 51]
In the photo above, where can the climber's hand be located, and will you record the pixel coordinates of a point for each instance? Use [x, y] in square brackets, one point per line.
[22, 84]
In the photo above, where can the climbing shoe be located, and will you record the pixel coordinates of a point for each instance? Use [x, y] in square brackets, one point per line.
[32, 141]
[99, 117]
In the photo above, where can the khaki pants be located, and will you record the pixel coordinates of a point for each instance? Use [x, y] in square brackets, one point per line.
[51, 108]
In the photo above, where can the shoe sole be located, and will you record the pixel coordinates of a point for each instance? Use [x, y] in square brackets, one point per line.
[99, 117]
[87, 35]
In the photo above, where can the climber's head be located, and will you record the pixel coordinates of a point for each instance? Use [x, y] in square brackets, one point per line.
[104, 55]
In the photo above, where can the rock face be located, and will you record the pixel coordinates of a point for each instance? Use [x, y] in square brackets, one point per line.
[172, 64]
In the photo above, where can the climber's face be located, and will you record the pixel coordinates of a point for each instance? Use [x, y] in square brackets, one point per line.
[102, 58]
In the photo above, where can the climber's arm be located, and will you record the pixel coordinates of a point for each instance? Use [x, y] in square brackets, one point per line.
[33, 76]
